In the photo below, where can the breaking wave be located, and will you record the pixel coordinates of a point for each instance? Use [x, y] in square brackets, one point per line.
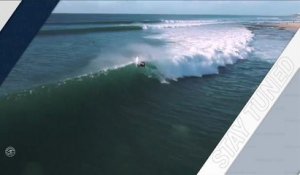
[199, 52]
[179, 23]
[188, 50]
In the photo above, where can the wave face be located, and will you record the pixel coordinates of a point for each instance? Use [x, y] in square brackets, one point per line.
[123, 116]
[199, 51]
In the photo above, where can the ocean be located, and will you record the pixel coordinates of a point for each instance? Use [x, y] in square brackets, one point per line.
[76, 103]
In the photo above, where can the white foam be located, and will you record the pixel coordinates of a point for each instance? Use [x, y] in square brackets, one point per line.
[179, 23]
[187, 51]
[200, 51]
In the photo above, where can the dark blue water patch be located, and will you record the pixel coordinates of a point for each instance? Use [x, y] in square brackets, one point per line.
[124, 122]
[78, 31]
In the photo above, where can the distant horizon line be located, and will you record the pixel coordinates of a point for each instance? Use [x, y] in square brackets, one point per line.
[168, 14]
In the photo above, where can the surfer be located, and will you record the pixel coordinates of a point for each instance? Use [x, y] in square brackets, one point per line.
[139, 63]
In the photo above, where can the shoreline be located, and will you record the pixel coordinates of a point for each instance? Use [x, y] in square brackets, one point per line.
[294, 26]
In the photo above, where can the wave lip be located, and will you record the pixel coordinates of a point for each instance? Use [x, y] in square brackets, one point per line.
[178, 23]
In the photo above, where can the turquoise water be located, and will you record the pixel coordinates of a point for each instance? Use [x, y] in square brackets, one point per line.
[77, 104]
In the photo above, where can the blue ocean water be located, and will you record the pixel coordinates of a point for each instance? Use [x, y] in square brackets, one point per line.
[77, 104]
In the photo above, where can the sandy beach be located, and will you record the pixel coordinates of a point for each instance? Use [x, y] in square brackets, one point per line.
[289, 26]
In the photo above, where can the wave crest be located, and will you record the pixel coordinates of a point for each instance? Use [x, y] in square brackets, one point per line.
[178, 23]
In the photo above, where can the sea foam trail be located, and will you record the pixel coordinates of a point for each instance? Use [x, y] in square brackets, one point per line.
[200, 51]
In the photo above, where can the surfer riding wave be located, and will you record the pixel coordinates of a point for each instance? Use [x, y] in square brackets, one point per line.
[139, 63]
